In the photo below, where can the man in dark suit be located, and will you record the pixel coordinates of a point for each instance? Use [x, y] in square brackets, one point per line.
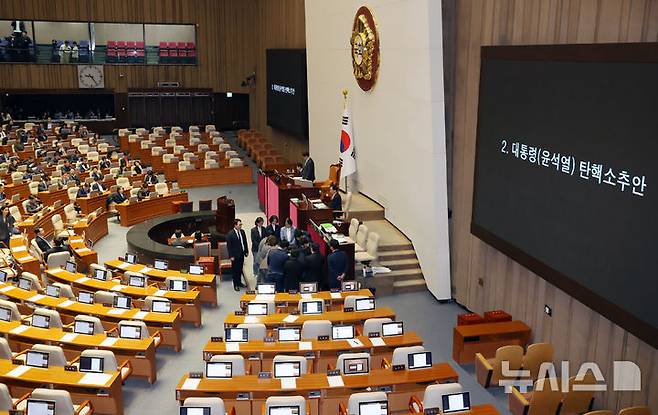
[42, 243]
[292, 271]
[308, 167]
[257, 234]
[151, 178]
[336, 264]
[273, 228]
[59, 247]
[336, 201]
[276, 260]
[314, 266]
[238, 249]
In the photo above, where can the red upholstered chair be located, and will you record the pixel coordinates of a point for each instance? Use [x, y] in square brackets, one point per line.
[163, 45]
[130, 45]
[111, 44]
[121, 44]
[139, 45]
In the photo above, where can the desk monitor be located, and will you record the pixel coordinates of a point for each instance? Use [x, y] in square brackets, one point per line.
[24, 284]
[100, 274]
[456, 402]
[86, 297]
[266, 289]
[234, 334]
[287, 369]
[177, 285]
[194, 410]
[257, 309]
[41, 321]
[373, 408]
[356, 366]
[312, 307]
[219, 370]
[71, 267]
[195, 269]
[160, 264]
[91, 364]
[161, 306]
[121, 301]
[342, 332]
[5, 314]
[127, 331]
[3, 276]
[420, 360]
[284, 410]
[289, 334]
[130, 258]
[136, 281]
[39, 407]
[36, 359]
[53, 188]
[364, 304]
[395, 328]
[308, 287]
[52, 291]
[349, 286]
[83, 327]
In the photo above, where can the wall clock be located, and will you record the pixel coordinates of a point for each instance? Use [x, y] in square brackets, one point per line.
[91, 76]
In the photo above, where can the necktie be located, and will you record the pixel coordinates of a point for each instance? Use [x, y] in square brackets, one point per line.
[240, 239]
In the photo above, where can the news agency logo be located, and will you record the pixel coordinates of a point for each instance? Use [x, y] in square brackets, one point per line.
[626, 377]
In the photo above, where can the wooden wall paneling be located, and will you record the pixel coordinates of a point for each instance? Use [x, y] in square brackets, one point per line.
[578, 333]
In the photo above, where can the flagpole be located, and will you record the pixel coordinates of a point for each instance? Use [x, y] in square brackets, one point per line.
[344, 108]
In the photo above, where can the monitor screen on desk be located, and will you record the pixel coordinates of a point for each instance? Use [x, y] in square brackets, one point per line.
[160, 264]
[100, 274]
[456, 402]
[395, 328]
[24, 284]
[177, 285]
[349, 286]
[235, 334]
[71, 267]
[130, 258]
[195, 269]
[36, 359]
[83, 327]
[356, 366]
[373, 408]
[41, 321]
[5, 314]
[289, 334]
[308, 287]
[136, 281]
[420, 360]
[312, 307]
[364, 304]
[284, 410]
[91, 364]
[86, 297]
[52, 291]
[287, 369]
[342, 332]
[266, 289]
[121, 301]
[127, 331]
[161, 306]
[221, 370]
[3, 276]
[257, 309]
[194, 410]
[39, 407]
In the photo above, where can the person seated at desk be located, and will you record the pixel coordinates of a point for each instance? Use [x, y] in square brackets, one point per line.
[115, 198]
[104, 163]
[33, 205]
[178, 239]
[43, 185]
[42, 242]
[276, 260]
[97, 187]
[60, 246]
[337, 264]
[308, 167]
[84, 190]
[336, 201]
[151, 178]
[273, 228]
[66, 167]
[288, 232]
[143, 192]
[13, 165]
[95, 174]
[292, 271]
[136, 168]
[314, 266]
[2, 192]
[83, 166]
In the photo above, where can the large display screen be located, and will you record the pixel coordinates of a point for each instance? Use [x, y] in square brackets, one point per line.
[566, 174]
[287, 101]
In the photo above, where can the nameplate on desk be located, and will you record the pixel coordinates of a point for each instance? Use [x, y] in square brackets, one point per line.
[239, 313]
[323, 338]
[374, 334]
[16, 362]
[264, 375]
[269, 340]
[251, 292]
[397, 368]
[294, 312]
[293, 291]
[16, 412]
[335, 372]
[432, 411]
[314, 395]
[70, 368]
[348, 309]
[195, 375]
[216, 339]
[243, 396]
[335, 290]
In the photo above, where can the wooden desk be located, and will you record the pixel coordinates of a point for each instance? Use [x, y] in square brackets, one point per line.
[17, 188]
[206, 283]
[188, 301]
[302, 213]
[48, 197]
[89, 204]
[487, 338]
[83, 255]
[168, 324]
[213, 177]
[140, 353]
[22, 256]
[132, 213]
[41, 219]
[486, 409]
[278, 195]
[106, 397]
[281, 319]
[93, 230]
[318, 236]
[323, 352]
[402, 383]
[331, 300]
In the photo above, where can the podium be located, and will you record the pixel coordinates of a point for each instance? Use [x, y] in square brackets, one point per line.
[225, 214]
[278, 191]
[304, 211]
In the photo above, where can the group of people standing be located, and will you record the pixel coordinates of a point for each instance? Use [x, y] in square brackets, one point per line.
[285, 256]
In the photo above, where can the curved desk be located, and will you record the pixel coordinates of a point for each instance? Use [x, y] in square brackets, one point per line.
[282, 319]
[93, 229]
[214, 177]
[332, 300]
[132, 213]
